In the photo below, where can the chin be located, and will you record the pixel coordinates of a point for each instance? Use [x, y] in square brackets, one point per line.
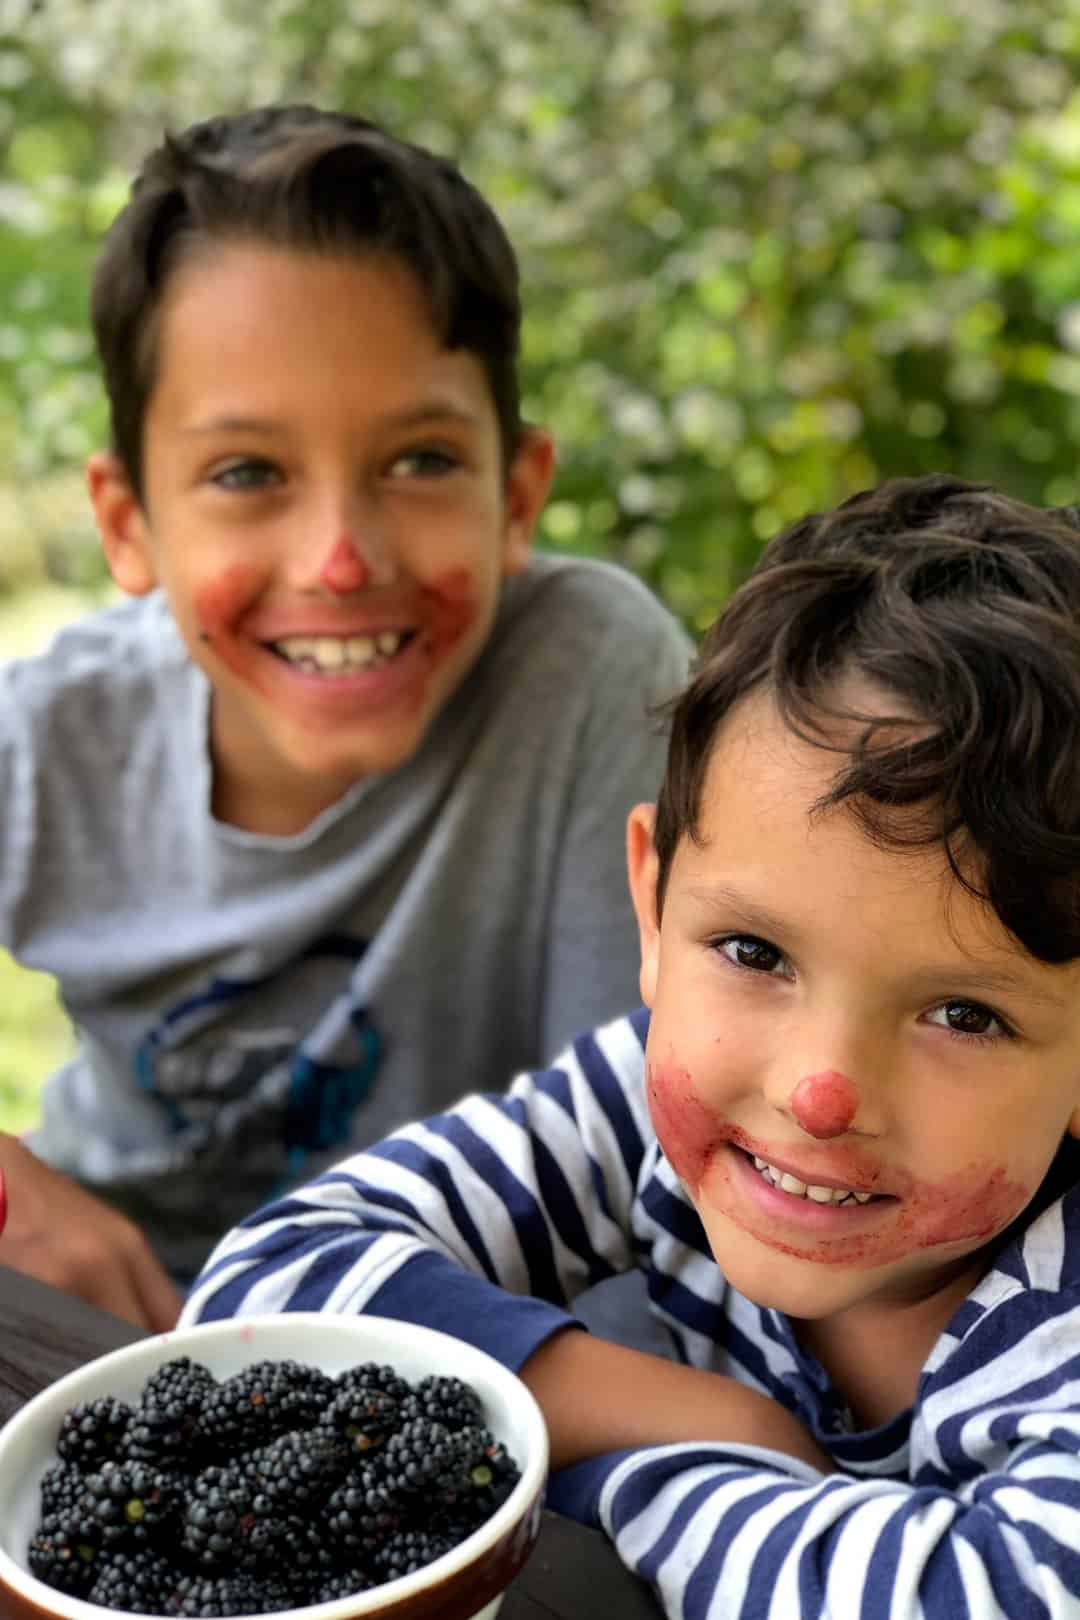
[779, 1281]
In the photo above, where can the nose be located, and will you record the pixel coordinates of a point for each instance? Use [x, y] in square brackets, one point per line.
[339, 539]
[825, 1104]
[344, 568]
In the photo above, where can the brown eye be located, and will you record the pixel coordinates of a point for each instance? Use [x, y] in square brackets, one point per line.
[747, 952]
[969, 1017]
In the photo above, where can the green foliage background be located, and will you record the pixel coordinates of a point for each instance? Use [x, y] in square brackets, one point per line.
[773, 249]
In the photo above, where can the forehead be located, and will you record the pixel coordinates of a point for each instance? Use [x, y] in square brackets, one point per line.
[762, 831]
[245, 326]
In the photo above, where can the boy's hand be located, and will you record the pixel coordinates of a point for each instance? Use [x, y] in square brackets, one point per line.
[598, 1397]
[64, 1236]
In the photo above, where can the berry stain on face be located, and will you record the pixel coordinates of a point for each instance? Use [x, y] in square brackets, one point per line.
[445, 613]
[449, 611]
[714, 1160]
[220, 606]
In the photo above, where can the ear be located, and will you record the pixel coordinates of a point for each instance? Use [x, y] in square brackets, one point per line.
[527, 485]
[642, 867]
[121, 524]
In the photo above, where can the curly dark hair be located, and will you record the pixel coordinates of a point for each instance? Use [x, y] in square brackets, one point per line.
[299, 177]
[963, 607]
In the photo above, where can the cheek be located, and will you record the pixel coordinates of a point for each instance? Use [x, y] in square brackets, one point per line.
[451, 610]
[686, 1130]
[220, 606]
[971, 1206]
[222, 602]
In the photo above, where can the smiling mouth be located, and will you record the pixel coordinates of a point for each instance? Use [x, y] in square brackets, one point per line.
[811, 1193]
[341, 655]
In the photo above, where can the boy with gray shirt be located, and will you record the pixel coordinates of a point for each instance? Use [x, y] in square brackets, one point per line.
[315, 831]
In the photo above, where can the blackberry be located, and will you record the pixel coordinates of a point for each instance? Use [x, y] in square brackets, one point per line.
[93, 1431]
[141, 1582]
[424, 1457]
[505, 1472]
[446, 1400]
[491, 1473]
[306, 1551]
[265, 1400]
[297, 1472]
[361, 1513]
[165, 1425]
[405, 1551]
[64, 1552]
[62, 1486]
[216, 1595]
[181, 1381]
[345, 1583]
[229, 1520]
[364, 1417]
[368, 1375]
[131, 1500]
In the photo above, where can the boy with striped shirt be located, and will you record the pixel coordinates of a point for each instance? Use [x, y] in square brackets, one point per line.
[840, 1144]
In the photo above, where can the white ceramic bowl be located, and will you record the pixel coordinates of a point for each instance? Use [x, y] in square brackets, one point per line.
[467, 1583]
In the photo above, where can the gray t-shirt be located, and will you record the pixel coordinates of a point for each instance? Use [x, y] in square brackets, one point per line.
[249, 1008]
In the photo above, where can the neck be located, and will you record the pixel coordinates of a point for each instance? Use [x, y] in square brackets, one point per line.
[875, 1352]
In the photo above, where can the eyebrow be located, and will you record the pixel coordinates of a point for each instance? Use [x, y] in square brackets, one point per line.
[433, 411]
[751, 914]
[966, 978]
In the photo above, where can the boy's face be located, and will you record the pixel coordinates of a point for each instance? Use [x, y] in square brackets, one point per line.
[327, 510]
[851, 1018]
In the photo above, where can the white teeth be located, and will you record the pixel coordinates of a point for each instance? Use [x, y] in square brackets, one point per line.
[329, 654]
[336, 655]
[801, 1189]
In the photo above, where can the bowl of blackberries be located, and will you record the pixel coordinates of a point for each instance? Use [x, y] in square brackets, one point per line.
[318, 1467]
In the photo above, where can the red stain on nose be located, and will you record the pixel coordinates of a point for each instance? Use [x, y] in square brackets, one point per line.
[825, 1104]
[344, 569]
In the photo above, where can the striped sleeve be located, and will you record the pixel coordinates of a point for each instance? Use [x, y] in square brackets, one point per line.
[528, 1194]
[987, 1529]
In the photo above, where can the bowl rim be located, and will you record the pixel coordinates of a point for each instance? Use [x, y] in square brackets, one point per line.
[161, 1347]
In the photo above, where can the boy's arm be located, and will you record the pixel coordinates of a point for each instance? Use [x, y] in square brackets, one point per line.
[598, 1397]
[62, 1235]
[983, 1529]
[54, 1230]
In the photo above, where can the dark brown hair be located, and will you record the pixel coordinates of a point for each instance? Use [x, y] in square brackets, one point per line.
[963, 606]
[297, 177]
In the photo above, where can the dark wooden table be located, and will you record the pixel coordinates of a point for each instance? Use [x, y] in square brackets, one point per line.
[572, 1575]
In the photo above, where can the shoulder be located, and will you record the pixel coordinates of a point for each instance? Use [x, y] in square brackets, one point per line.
[586, 600]
[1027, 1299]
[110, 644]
[578, 637]
[105, 656]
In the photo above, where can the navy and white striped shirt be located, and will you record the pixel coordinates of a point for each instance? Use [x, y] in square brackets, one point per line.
[487, 1221]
